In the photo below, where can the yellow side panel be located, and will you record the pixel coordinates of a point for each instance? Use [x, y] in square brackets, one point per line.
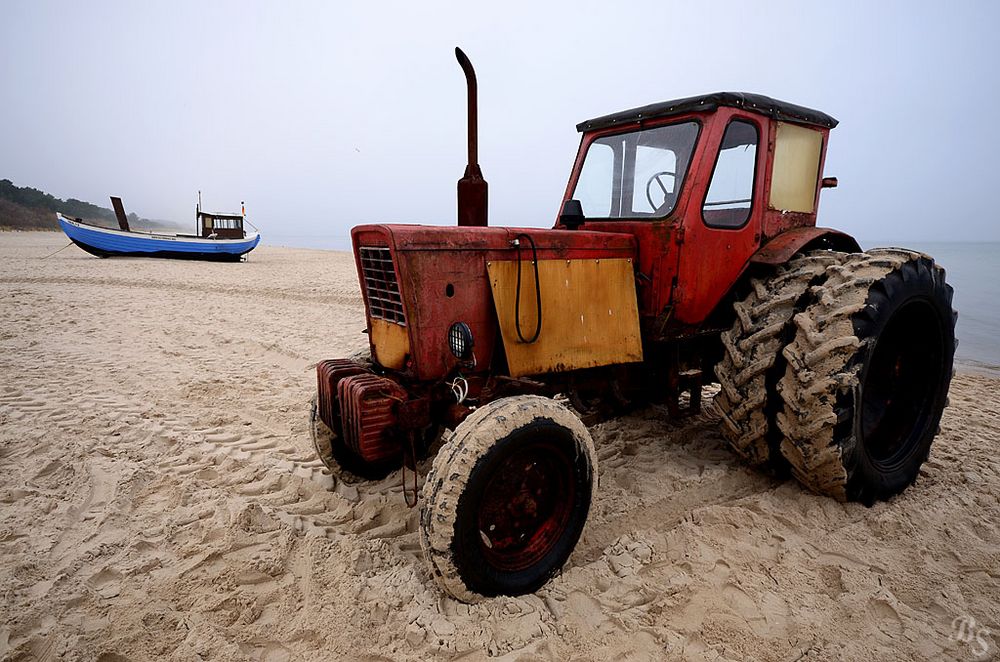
[589, 314]
[796, 168]
[391, 343]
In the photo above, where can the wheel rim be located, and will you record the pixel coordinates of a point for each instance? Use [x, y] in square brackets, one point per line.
[901, 381]
[526, 507]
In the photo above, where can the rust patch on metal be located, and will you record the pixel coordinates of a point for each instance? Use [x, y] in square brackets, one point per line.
[328, 376]
[368, 416]
[781, 249]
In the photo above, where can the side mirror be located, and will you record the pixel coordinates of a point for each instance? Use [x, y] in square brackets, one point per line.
[572, 215]
[829, 182]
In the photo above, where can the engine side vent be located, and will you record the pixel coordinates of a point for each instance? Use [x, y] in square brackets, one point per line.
[381, 286]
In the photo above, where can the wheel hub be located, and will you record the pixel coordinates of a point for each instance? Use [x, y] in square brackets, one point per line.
[525, 507]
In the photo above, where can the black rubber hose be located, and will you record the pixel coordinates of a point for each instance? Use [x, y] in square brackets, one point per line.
[538, 291]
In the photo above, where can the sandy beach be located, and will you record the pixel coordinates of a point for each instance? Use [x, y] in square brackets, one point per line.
[160, 499]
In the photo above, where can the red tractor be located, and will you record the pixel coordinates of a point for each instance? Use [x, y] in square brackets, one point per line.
[686, 253]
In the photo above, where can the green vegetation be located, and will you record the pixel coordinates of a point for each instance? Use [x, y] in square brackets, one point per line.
[26, 208]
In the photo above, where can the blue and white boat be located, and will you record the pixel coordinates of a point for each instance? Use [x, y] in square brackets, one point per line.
[220, 237]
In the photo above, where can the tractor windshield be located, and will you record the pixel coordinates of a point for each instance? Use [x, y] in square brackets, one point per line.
[637, 174]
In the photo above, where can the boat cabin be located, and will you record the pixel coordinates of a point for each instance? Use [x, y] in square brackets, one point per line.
[220, 226]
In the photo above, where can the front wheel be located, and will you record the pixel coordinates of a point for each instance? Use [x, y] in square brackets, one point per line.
[507, 498]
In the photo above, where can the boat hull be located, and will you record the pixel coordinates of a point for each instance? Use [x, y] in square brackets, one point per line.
[104, 242]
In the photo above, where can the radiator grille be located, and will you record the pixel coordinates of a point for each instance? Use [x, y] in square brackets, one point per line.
[381, 287]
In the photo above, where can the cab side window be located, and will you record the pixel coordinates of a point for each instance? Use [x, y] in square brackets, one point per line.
[595, 188]
[730, 193]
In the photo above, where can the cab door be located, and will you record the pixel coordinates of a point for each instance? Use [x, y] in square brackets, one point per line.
[722, 223]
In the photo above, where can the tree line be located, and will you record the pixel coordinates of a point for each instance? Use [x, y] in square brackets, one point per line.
[30, 204]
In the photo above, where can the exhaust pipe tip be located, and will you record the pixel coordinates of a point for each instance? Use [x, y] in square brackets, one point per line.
[473, 191]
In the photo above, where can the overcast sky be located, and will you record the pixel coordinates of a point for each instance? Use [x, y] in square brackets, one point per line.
[323, 115]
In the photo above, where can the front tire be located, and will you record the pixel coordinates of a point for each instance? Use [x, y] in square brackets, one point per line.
[507, 498]
[868, 376]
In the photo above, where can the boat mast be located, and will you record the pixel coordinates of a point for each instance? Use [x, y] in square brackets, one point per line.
[120, 214]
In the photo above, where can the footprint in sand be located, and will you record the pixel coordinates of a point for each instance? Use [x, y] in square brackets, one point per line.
[886, 617]
[586, 614]
[107, 583]
[767, 615]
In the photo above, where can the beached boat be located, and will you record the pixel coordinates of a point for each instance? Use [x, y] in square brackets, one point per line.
[220, 237]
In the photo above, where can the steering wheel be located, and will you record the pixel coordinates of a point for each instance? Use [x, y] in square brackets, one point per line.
[649, 188]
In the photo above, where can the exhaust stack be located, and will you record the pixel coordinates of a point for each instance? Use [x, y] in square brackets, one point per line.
[472, 188]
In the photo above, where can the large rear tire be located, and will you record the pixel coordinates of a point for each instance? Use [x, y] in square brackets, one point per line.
[868, 375]
[507, 498]
[752, 362]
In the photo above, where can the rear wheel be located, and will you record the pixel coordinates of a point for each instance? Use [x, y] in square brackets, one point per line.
[868, 376]
[507, 498]
[752, 362]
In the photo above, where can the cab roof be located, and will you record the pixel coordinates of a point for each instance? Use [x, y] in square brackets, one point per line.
[756, 103]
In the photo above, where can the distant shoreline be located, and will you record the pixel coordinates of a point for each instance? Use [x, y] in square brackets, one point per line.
[964, 367]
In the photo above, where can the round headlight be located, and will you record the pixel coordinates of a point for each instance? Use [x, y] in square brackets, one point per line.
[460, 340]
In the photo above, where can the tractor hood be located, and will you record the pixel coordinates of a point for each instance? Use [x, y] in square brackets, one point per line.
[555, 243]
[419, 280]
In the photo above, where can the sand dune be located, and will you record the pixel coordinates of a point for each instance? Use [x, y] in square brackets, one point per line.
[160, 500]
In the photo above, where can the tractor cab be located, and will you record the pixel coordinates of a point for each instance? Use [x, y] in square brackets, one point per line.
[703, 183]
[634, 164]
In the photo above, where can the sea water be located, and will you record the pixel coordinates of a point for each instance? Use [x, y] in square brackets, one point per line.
[973, 270]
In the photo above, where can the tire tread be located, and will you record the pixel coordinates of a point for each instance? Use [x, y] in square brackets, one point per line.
[751, 348]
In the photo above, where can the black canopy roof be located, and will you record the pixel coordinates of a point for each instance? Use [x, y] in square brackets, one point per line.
[212, 214]
[757, 103]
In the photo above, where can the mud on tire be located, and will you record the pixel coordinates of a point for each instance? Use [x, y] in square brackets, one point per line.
[752, 362]
[868, 375]
[507, 498]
